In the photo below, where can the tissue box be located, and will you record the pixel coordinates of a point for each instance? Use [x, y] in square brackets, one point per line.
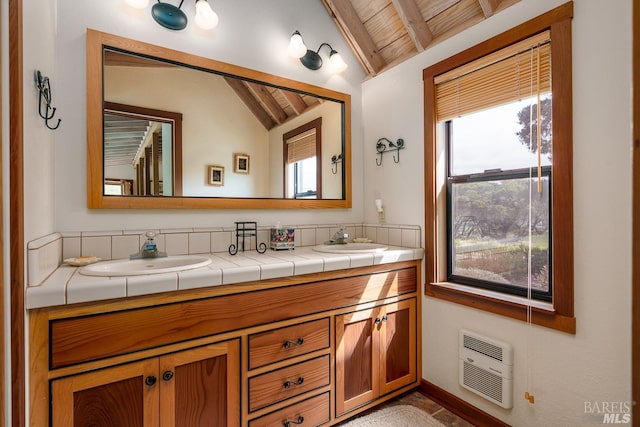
[282, 238]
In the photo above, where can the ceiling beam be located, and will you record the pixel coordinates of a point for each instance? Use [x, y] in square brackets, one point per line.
[268, 102]
[356, 35]
[254, 106]
[488, 7]
[295, 100]
[414, 22]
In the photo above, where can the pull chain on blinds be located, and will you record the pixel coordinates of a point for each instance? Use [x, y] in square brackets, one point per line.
[494, 79]
[301, 146]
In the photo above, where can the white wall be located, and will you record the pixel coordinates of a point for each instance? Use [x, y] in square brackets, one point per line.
[565, 370]
[251, 34]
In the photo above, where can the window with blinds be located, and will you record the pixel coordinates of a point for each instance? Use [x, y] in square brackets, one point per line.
[301, 146]
[302, 169]
[499, 170]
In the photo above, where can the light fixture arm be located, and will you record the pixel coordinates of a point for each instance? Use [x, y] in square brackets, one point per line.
[331, 50]
[311, 59]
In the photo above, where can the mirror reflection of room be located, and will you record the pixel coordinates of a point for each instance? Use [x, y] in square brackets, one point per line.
[220, 116]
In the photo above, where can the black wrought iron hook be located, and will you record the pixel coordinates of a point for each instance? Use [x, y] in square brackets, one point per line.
[381, 147]
[45, 110]
[335, 159]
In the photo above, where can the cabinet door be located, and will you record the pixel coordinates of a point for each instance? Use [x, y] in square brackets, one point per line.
[201, 386]
[125, 395]
[357, 359]
[398, 345]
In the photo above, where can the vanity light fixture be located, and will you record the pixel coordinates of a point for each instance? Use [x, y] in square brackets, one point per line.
[311, 59]
[173, 18]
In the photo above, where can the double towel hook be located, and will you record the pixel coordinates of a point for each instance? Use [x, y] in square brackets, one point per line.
[335, 159]
[45, 110]
[384, 144]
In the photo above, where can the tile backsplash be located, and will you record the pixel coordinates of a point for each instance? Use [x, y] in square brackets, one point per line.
[45, 254]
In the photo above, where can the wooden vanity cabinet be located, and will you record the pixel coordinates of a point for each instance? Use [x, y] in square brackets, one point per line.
[194, 387]
[375, 353]
[318, 348]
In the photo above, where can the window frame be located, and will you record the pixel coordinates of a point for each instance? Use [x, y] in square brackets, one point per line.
[559, 314]
[313, 124]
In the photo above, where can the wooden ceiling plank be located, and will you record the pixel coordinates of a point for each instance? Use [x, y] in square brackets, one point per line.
[356, 34]
[249, 100]
[414, 22]
[295, 100]
[431, 8]
[456, 18]
[488, 7]
[269, 103]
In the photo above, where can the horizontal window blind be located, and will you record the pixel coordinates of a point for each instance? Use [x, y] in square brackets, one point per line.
[301, 146]
[504, 76]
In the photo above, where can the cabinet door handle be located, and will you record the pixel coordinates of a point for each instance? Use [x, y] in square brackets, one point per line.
[289, 383]
[167, 375]
[300, 420]
[150, 380]
[287, 344]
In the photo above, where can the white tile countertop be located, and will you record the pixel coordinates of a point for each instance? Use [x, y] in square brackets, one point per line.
[67, 286]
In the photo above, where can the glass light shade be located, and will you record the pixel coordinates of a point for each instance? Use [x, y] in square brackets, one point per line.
[297, 48]
[336, 63]
[138, 4]
[206, 18]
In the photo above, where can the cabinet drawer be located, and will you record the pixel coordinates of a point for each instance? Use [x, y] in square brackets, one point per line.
[287, 382]
[314, 411]
[280, 344]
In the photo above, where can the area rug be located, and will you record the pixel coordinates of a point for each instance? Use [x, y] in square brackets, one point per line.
[395, 416]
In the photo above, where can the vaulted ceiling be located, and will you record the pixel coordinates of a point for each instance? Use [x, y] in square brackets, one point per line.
[384, 33]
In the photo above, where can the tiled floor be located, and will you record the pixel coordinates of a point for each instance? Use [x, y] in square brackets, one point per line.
[417, 399]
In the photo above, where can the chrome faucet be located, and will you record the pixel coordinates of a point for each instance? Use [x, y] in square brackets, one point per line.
[149, 248]
[339, 238]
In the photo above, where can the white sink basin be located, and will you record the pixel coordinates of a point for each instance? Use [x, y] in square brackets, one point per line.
[138, 267]
[351, 248]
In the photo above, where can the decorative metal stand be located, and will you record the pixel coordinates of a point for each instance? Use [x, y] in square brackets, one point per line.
[246, 229]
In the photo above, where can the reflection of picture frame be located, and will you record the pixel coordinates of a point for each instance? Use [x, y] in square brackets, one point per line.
[240, 163]
[215, 175]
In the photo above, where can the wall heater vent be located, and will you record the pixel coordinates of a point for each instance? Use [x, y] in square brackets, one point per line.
[486, 367]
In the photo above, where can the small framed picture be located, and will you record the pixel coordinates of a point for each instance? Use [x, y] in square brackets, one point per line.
[240, 163]
[215, 175]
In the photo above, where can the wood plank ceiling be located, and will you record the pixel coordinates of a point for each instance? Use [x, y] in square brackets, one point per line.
[384, 33]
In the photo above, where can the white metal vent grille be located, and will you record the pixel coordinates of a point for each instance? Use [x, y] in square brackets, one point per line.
[483, 347]
[485, 382]
[486, 367]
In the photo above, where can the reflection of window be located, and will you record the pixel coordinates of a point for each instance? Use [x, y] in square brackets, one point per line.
[500, 216]
[302, 171]
[118, 187]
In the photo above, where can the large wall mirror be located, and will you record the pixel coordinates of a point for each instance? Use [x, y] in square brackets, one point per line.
[167, 129]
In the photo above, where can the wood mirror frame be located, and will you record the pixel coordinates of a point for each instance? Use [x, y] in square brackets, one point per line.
[96, 41]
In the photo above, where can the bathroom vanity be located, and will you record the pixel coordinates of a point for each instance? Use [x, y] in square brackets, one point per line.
[310, 349]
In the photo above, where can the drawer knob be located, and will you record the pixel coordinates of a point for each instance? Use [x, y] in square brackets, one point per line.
[379, 320]
[150, 380]
[287, 384]
[167, 375]
[287, 344]
[300, 420]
